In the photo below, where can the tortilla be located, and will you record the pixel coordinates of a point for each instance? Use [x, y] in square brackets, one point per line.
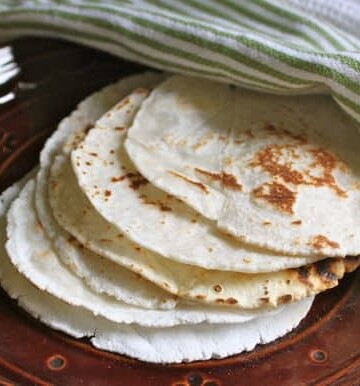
[147, 215]
[278, 172]
[75, 213]
[32, 255]
[100, 274]
[188, 343]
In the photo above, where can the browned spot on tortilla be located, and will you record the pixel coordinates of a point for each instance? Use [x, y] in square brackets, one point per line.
[88, 163]
[217, 288]
[93, 154]
[266, 223]
[200, 297]
[136, 180]
[107, 193]
[265, 300]
[166, 285]
[138, 249]
[210, 249]
[228, 180]
[271, 159]
[193, 221]
[220, 301]
[122, 103]
[164, 208]
[296, 222]
[112, 151]
[277, 195]
[231, 301]
[285, 299]
[119, 128]
[195, 183]
[320, 242]
[118, 179]
[105, 241]
[287, 281]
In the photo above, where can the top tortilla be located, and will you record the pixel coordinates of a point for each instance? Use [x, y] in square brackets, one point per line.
[276, 172]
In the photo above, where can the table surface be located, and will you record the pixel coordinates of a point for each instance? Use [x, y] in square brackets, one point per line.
[41, 81]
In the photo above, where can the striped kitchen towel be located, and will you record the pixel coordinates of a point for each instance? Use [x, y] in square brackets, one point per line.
[288, 46]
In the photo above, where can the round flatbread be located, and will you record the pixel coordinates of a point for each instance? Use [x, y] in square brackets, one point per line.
[75, 213]
[274, 171]
[188, 343]
[148, 215]
[100, 274]
[31, 252]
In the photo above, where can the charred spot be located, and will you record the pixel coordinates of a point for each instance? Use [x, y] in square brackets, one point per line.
[136, 180]
[118, 179]
[105, 240]
[277, 195]
[107, 193]
[320, 242]
[285, 299]
[195, 183]
[119, 235]
[323, 268]
[303, 274]
[265, 300]
[119, 128]
[93, 154]
[138, 249]
[122, 103]
[228, 180]
[266, 223]
[217, 288]
[220, 301]
[231, 301]
[88, 163]
[269, 159]
[296, 222]
[200, 297]
[164, 208]
[112, 151]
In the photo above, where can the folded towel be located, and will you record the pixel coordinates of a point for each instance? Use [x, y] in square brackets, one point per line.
[288, 47]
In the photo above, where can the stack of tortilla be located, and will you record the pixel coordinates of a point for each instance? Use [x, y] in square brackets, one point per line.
[176, 219]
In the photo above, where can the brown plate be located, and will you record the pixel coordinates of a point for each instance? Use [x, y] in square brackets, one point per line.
[42, 82]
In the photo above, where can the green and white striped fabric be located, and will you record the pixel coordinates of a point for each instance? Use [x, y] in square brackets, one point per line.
[293, 46]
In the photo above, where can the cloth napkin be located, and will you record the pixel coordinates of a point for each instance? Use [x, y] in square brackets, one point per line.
[287, 47]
